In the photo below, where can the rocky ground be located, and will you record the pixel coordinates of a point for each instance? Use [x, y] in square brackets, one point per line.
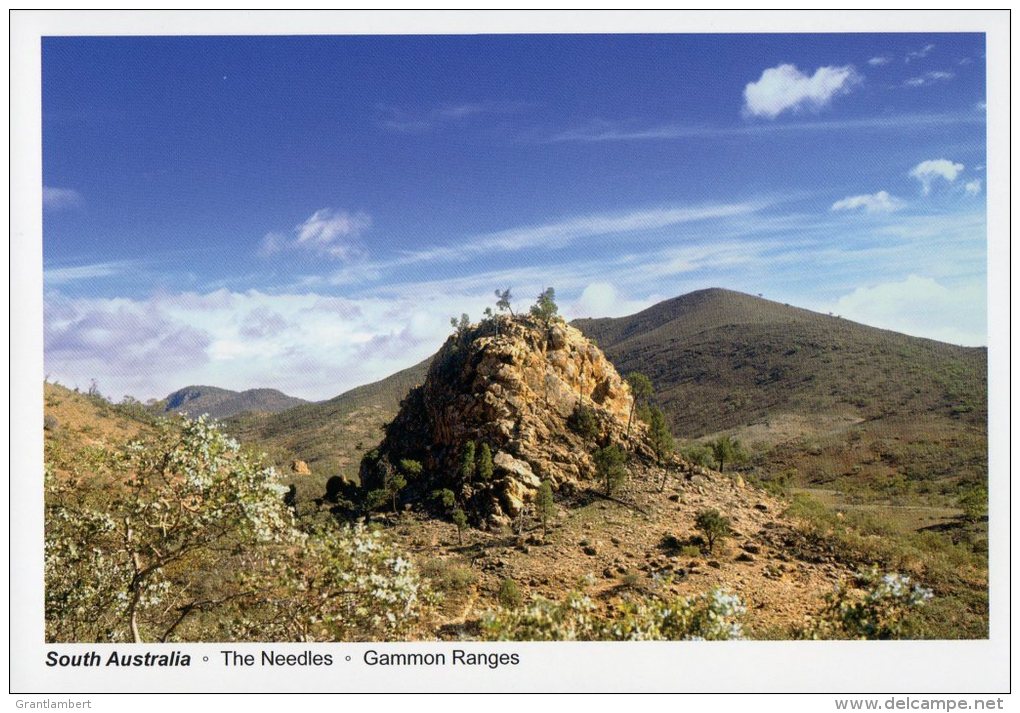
[641, 543]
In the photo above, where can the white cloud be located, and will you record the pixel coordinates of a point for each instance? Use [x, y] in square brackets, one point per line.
[920, 306]
[880, 202]
[879, 61]
[928, 78]
[63, 275]
[933, 169]
[602, 130]
[919, 54]
[304, 344]
[603, 299]
[58, 198]
[327, 232]
[552, 235]
[785, 88]
[973, 188]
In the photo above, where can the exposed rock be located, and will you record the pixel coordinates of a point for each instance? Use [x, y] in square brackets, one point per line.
[299, 467]
[512, 384]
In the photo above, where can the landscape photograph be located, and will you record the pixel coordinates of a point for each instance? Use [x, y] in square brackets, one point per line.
[515, 337]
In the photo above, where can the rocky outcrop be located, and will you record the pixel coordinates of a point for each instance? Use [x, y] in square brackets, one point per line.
[299, 467]
[515, 385]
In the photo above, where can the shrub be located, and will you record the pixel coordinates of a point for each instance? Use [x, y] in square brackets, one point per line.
[50, 422]
[583, 422]
[510, 594]
[196, 542]
[715, 615]
[697, 454]
[878, 609]
[448, 576]
[712, 526]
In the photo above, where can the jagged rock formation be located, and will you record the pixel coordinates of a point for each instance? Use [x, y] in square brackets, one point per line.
[512, 384]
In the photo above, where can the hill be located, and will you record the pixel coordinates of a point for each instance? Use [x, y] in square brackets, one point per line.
[330, 436]
[721, 359]
[223, 403]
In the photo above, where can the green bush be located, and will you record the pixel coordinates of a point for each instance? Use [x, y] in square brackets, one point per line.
[583, 422]
[510, 594]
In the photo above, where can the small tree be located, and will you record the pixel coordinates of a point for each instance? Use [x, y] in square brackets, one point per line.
[546, 506]
[503, 301]
[485, 466]
[394, 484]
[461, 521]
[727, 449]
[460, 325]
[661, 439]
[467, 462]
[545, 308]
[712, 526]
[641, 388]
[609, 464]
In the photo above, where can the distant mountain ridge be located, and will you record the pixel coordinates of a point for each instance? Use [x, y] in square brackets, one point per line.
[224, 403]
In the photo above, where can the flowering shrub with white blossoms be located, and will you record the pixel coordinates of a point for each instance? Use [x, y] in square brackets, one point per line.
[344, 583]
[878, 608]
[189, 538]
[715, 615]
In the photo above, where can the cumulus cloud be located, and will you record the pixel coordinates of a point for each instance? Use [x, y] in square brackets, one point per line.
[927, 172]
[603, 299]
[327, 232]
[921, 306]
[785, 87]
[973, 188]
[60, 198]
[879, 61]
[880, 202]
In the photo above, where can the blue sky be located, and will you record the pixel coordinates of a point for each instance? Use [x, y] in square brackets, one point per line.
[307, 213]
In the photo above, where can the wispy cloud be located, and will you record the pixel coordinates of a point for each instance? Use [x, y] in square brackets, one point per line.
[919, 54]
[927, 172]
[880, 202]
[928, 78]
[64, 275]
[786, 88]
[327, 232]
[622, 131]
[879, 61]
[973, 188]
[59, 198]
[551, 235]
[418, 121]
